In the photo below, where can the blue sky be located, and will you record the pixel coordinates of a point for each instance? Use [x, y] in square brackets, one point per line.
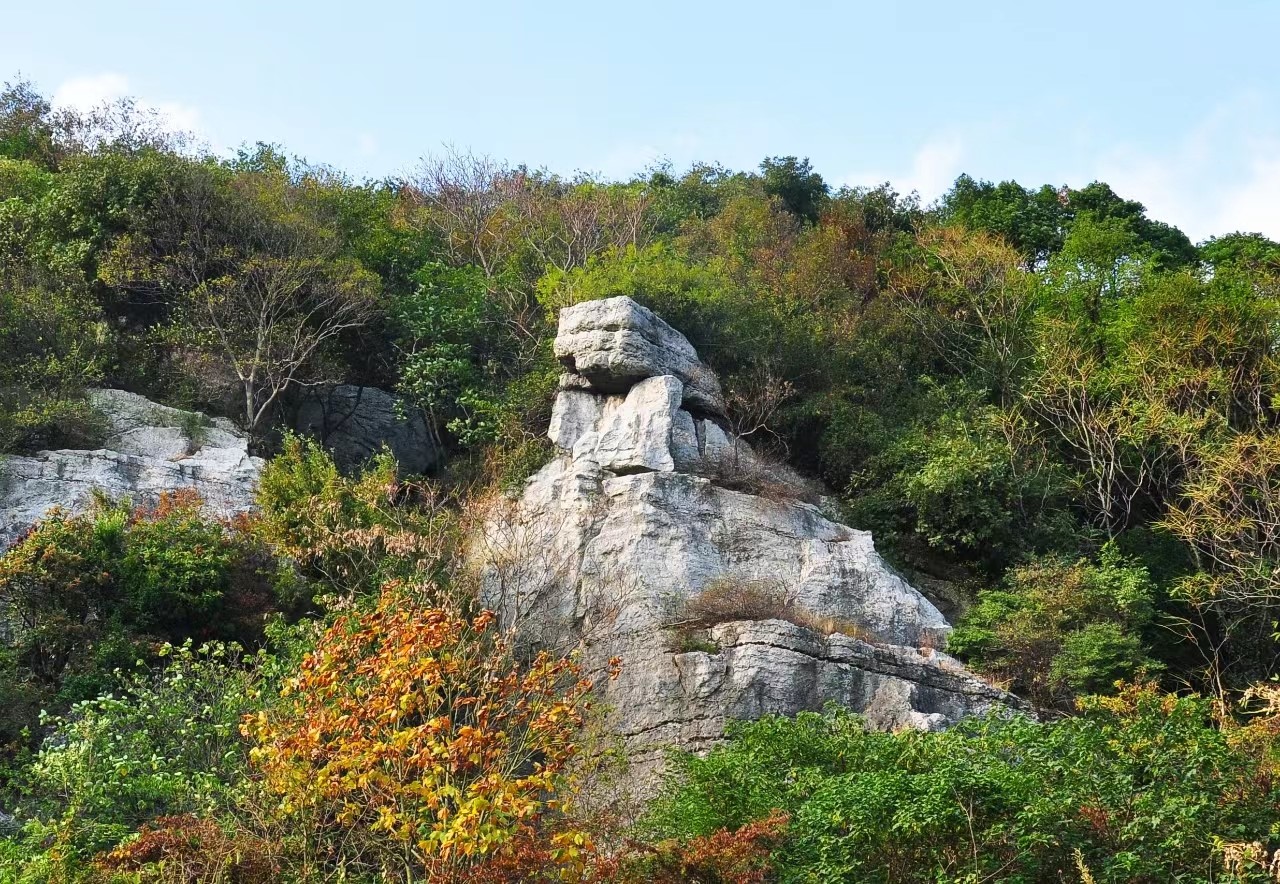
[1176, 104]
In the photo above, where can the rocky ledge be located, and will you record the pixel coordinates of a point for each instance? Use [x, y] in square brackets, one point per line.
[149, 449]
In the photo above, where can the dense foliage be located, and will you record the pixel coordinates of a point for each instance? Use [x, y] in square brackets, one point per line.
[1053, 410]
[1137, 788]
[84, 596]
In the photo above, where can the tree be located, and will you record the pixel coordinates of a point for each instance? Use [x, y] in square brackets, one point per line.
[26, 129]
[1250, 251]
[255, 284]
[801, 190]
[1171, 246]
[1057, 629]
[1033, 222]
[974, 303]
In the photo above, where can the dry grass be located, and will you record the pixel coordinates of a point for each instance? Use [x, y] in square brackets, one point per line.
[728, 599]
[763, 475]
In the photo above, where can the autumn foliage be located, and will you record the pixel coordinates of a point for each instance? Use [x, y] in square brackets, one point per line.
[414, 743]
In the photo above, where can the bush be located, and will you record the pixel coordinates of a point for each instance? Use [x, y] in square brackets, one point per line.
[412, 741]
[1059, 628]
[92, 593]
[167, 742]
[351, 534]
[1140, 788]
[187, 849]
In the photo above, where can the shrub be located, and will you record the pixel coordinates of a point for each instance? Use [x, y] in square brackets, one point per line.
[167, 742]
[166, 568]
[744, 856]
[1060, 628]
[187, 849]
[350, 534]
[412, 741]
[1142, 787]
[757, 473]
[93, 593]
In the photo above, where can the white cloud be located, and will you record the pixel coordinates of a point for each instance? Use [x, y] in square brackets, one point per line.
[1221, 175]
[88, 93]
[934, 168]
[366, 144]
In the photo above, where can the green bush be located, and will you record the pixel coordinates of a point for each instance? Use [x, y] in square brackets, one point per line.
[1143, 786]
[166, 742]
[348, 535]
[1058, 628]
[92, 593]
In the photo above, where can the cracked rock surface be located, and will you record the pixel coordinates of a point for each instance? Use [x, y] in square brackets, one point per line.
[637, 513]
[149, 449]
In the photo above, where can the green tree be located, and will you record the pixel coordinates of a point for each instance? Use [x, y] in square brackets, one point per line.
[801, 190]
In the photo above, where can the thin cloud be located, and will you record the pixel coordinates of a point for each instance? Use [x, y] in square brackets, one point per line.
[1221, 175]
[91, 92]
[934, 168]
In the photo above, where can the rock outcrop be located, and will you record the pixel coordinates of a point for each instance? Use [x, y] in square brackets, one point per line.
[355, 422]
[149, 449]
[648, 503]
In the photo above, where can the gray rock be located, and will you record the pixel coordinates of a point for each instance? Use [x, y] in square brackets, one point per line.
[634, 517]
[355, 422]
[610, 345]
[149, 449]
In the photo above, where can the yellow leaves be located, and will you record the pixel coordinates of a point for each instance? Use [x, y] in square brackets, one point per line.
[420, 724]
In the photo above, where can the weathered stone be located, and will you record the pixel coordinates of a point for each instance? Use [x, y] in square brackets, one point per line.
[610, 345]
[355, 422]
[149, 449]
[644, 508]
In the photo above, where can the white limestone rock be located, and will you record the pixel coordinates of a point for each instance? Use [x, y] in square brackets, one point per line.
[149, 449]
[610, 345]
[637, 514]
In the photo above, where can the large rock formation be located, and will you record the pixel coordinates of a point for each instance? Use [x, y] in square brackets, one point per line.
[355, 422]
[149, 449]
[649, 503]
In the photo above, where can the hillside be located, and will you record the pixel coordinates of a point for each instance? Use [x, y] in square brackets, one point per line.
[432, 513]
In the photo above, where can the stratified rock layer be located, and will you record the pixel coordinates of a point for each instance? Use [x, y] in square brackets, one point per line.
[650, 501]
[149, 449]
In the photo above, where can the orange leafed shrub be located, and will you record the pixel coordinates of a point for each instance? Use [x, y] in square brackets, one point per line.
[723, 857]
[412, 739]
[190, 850]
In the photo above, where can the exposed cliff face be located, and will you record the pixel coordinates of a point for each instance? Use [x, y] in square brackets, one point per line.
[648, 502]
[149, 449]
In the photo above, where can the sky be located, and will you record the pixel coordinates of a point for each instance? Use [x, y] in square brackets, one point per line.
[1175, 104]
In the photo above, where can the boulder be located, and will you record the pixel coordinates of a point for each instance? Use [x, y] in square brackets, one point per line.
[649, 502]
[610, 345]
[149, 449]
[355, 422]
